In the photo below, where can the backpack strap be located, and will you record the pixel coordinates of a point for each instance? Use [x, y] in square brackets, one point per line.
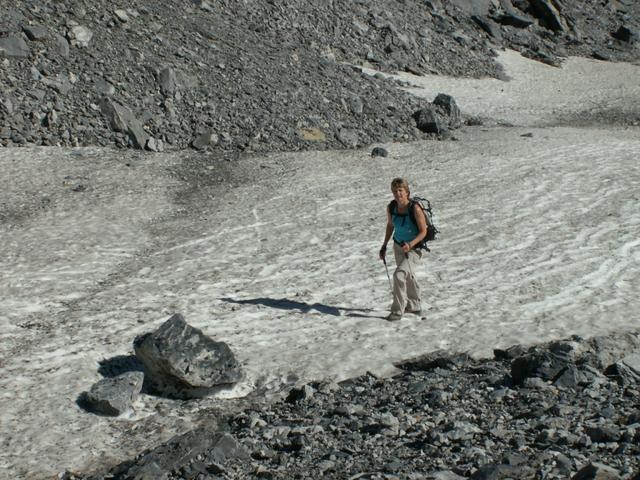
[392, 206]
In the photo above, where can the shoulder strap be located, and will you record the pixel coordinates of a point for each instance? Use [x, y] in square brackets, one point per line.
[392, 206]
[412, 213]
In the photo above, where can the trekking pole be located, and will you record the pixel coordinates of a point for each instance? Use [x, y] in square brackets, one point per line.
[384, 260]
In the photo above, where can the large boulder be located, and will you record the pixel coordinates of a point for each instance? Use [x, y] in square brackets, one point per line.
[182, 362]
[113, 396]
[439, 116]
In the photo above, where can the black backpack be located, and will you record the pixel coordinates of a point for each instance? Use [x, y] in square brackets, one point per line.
[425, 206]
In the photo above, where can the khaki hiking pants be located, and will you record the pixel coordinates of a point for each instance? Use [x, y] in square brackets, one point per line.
[406, 291]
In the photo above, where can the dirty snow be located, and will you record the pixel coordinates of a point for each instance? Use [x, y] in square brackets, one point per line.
[540, 240]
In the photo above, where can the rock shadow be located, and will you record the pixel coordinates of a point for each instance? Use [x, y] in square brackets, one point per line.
[114, 366]
[304, 307]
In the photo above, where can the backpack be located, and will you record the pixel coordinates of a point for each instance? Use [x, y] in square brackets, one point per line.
[425, 206]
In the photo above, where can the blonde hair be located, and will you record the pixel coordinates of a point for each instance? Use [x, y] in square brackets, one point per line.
[399, 182]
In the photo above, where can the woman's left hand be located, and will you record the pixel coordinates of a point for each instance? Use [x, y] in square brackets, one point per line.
[406, 248]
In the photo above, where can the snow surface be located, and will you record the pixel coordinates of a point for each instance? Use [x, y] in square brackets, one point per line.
[540, 240]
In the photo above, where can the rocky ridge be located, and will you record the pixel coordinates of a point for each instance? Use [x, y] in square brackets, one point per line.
[565, 409]
[259, 76]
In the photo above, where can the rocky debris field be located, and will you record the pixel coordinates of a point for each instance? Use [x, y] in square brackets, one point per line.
[565, 409]
[261, 76]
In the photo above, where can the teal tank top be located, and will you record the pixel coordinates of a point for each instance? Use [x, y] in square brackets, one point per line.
[404, 230]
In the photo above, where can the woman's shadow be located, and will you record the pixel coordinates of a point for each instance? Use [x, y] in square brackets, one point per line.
[304, 307]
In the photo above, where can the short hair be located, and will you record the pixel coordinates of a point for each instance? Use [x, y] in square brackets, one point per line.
[399, 183]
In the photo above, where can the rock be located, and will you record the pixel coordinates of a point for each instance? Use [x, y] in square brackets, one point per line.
[549, 15]
[538, 364]
[300, 394]
[36, 33]
[114, 396]
[167, 81]
[379, 152]
[181, 362]
[154, 145]
[312, 135]
[502, 472]
[428, 121]
[121, 15]
[473, 7]
[513, 19]
[120, 119]
[204, 140]
[348, 137]
[62, 46]
[489, 26]
[13, 47]
[437, 359]
[448, 104]
[180, 451]
[625, 34]
[80, 36]
[104, 88]
[596, 471]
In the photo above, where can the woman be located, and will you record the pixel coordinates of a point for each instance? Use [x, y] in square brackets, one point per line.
[407, 234]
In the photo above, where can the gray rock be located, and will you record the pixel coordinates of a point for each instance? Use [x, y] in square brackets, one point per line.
[60, 83]
[204, 140]
[80, 36]
[348, 137]
[103, 87]
[596, 471]
[13, 47]
[181, 362]
[62, 46]
[120, 119]
[36, 33]
[167, 81]
[114, 396]
[121, 15]
[489, 26]
[473, 7]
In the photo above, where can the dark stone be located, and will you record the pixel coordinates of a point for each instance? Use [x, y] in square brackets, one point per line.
[548, 15]
[181, 362]
[379, 152]
[596, 471]
[437, 359]
[625, 34]
[448, 104]
[428, 121]
[541, 364]
[181, 450]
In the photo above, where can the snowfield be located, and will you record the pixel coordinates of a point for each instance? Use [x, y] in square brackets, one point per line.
[540, 239]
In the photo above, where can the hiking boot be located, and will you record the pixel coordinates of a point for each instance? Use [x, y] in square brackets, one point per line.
[415, 312]
[394, 317]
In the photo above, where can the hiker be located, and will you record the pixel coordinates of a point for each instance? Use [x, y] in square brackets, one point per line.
[407, 235]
